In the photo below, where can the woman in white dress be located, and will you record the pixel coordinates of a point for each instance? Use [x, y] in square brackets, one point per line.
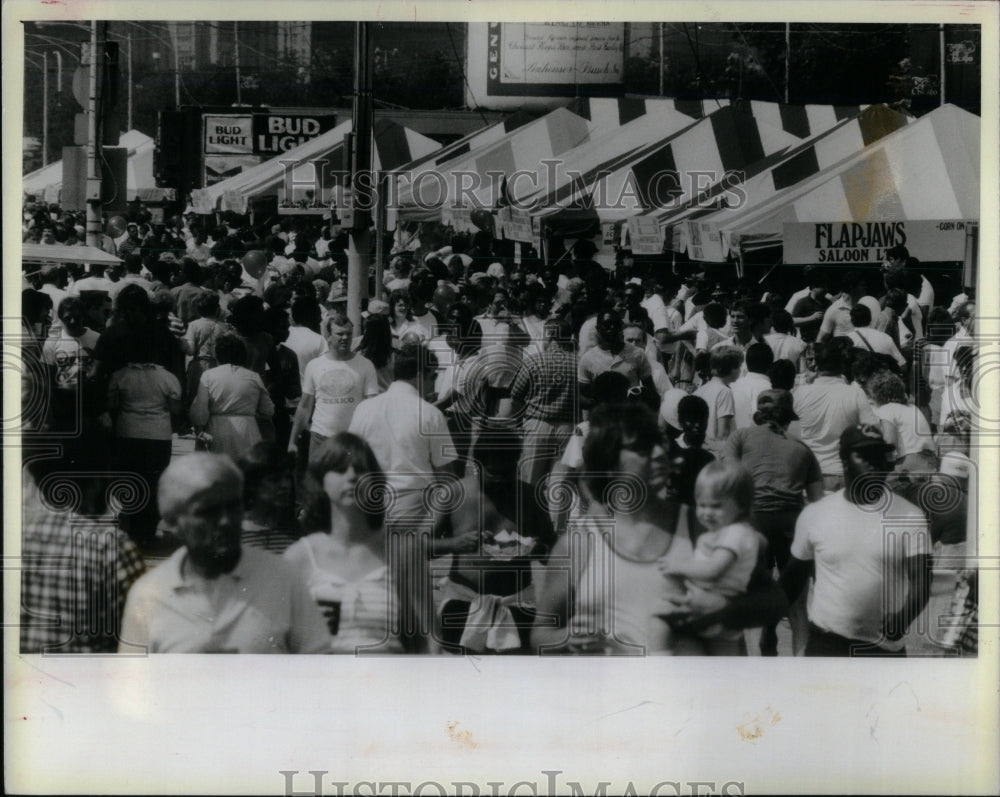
[232, 401]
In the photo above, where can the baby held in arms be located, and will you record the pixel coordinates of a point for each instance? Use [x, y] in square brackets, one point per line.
[726, 552]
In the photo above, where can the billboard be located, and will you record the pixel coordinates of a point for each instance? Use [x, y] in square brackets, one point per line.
[523, 64]
[233, 142]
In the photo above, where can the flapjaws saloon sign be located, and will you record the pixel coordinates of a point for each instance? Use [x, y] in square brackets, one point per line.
[868, 241]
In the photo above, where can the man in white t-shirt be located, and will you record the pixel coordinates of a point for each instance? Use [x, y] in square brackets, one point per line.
[837, 318]
[307, 344]
[865, 337]
[758, 360]
[717, 395]
[334, 384]
[871, 552]
[825, 408]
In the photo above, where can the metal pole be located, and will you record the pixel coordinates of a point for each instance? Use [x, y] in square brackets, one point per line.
[661, 59]
[45, 109]
[359, 246]
[59, 82]
[788, 56]
[129, 56]
[93, 193]
[941, 36]
[236, 59]
[172, 26]
[383, 189]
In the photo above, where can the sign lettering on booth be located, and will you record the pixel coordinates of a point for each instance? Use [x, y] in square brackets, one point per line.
[229, 134]
[867, 241]
[645, 236]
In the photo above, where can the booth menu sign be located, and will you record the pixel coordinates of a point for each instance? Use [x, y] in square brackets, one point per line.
[844, 242]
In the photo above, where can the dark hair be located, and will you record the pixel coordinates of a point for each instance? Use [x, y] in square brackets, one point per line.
[898, 252]
[896, 299]
[263, 460]
[191, 271]
[306, 311]
[610, 387]
[70, 303]
[885, 387]
[411, 358]
[342, 451]
[247, 315]
[782, 374]
[231, 349]
[692, 408]
[612, 428]
[376, 342]
[861, 316]
[759, 358]
[828, 357]
[939, 325]
[34, 304]
[758, 313]
[207, 304]
[133, 303]
[397, 296]
[714, 315]
[782, 321]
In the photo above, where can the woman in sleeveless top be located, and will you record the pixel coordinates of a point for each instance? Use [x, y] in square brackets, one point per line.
[602, 580]
[346, 569]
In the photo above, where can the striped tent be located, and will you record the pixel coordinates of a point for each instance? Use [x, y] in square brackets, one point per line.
[474, 180]
[555, 184]
[310, 168]
[670, 170]
[925, 170]
[608, 113]
[766, 178]
[804, 121]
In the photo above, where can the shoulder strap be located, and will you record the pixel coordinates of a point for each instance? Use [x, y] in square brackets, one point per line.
[865, 341]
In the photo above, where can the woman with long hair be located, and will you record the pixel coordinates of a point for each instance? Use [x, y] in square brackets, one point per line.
[376, 346]
[346, 566]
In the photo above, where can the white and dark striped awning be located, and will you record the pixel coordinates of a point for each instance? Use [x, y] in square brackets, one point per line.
[667, 172]
[926, 170]
[770, 176]
[309, 167]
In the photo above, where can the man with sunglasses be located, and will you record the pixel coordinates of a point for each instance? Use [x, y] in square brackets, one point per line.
[871, 552]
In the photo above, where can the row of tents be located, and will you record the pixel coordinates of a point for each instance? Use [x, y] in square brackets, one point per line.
[705, 178]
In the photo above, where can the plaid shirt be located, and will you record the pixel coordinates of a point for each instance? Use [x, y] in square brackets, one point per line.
[546, 384]
[75, 573]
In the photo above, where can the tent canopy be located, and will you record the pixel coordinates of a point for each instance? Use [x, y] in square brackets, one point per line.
[668, 171]
[57, 253]
[296, 169]
[140, 180]
[925, 170]
[475, 179]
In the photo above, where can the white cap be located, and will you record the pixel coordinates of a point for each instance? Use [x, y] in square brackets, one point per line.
[956, 464]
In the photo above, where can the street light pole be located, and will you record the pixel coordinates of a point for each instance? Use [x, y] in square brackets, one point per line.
[45, 109]
[129, 56]
[360, 239]
[236, 59]
[93, 193]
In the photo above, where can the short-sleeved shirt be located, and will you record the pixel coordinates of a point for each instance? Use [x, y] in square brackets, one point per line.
[785, 346]
[782, 468]
[744, 542]
[338, 386]
[546, 384]
[825, 408]
[804, 307]
[859, 553]
[913, 433]
[630, 361]
[259, 607]
[719, 398]
[878, 342]
[408, 435]
[837, 318]
[746, 389]
[72, 358]
[141, 394]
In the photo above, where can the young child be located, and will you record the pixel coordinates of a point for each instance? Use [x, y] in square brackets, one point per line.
[726, 553]
[725, 363]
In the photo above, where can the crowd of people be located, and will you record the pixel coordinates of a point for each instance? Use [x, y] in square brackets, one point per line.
[507, 455]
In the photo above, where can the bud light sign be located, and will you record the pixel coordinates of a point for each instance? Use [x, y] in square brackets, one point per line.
[276, 133]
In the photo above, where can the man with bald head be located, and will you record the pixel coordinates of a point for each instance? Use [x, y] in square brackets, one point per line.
[215, 595]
